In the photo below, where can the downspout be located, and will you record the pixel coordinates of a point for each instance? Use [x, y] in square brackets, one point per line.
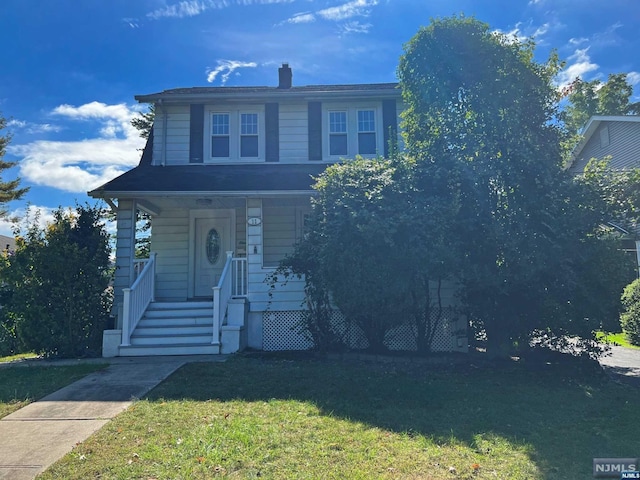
[638, 256]
[163, 156]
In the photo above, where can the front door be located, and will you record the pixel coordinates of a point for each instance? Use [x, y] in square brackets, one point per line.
[213, 240]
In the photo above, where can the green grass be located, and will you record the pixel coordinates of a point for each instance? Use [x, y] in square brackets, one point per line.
[282, 419]
[20, 386]
[615, 339]
[19, 356]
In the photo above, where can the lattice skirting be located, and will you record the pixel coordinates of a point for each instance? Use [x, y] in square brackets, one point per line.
[283, 330]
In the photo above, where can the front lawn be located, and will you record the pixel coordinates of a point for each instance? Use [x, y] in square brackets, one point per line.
[352, 419]
[615, 339]
[21, 385]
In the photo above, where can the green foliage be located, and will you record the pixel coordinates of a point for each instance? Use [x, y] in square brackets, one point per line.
[144, 121]
[630, 318]
[57, 283]
[8, 190]
[376, 245]
[587, 99]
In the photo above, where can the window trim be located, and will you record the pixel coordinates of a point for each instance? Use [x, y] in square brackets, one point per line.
[351, 110]
[235, 129]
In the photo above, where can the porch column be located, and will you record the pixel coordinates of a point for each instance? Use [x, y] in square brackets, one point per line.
[254, 236]
[125, 253]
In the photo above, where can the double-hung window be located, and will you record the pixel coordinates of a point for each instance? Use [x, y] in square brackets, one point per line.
[338, 133]
[236, 134]
[367, 132]
[351, 130]
[248, 134]
[220, 135]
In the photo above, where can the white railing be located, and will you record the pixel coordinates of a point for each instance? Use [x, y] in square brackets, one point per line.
[221, 295]
[138, 266]
[137, 298]
[240, 277]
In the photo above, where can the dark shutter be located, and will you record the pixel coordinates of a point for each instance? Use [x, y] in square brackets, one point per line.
[196, 134]
[389, 124]
[315, 130]
[272, 131]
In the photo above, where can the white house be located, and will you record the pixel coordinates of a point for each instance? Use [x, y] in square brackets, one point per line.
[226, 176]
[617, 137]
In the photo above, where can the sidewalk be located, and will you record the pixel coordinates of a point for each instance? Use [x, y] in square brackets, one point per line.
[34, 437]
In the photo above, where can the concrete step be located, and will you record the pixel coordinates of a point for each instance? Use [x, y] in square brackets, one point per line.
[175, 321]
[180, 339]
[176, 349]
[173, 330]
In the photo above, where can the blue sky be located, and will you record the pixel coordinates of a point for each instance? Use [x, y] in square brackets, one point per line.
[70, 68]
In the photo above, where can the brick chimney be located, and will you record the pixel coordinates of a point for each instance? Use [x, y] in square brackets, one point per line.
[285, 76]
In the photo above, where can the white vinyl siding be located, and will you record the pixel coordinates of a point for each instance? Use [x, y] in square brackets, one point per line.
[177, 141]
[623, 146]
[294, 133]
[289, 296]
[170, 240]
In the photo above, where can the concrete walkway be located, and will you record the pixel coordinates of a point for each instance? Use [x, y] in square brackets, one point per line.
[34, 437]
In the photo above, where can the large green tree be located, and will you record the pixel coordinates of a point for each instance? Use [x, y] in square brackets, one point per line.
[9, 190]
[480, 105]
[595, 97]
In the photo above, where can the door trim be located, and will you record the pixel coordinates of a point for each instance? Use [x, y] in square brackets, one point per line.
[207, 214]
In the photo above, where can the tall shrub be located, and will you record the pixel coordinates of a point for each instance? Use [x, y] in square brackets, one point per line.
[58, 282]
[630, 318]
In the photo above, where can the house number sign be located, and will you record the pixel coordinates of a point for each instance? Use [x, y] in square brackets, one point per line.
[254, 221]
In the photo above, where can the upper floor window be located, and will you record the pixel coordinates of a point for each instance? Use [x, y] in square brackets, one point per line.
[338, 133]
[220, 135]
[352, 131]
[366, 132]
[248, 134]
[235, 134]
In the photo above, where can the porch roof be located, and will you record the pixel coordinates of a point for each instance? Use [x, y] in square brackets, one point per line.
[211, 179]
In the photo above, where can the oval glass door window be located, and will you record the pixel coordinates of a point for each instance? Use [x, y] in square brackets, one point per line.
[213, 246]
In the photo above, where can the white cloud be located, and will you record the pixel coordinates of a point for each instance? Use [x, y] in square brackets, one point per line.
[33, 128]
[191, 8]
[633, 78]
[305, 17]
[132, 22]
[522, 32]
[578, 41]
[183, 9]
[356, 27]
[226, 68]
[78, 166]
[578, 64]
[348, 10]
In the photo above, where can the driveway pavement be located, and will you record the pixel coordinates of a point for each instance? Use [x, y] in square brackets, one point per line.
[34, 437]
[623, 364]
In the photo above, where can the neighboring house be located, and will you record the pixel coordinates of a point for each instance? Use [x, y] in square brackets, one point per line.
[618, 137]
[7, 244]
[226, 176]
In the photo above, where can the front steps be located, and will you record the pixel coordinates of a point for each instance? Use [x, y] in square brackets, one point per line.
[174, 328]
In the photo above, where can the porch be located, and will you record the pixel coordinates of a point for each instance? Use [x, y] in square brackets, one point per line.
[191, 327]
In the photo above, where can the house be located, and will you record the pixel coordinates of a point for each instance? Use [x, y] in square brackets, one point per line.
[7, 244]
[618, 137]
[226, 176]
